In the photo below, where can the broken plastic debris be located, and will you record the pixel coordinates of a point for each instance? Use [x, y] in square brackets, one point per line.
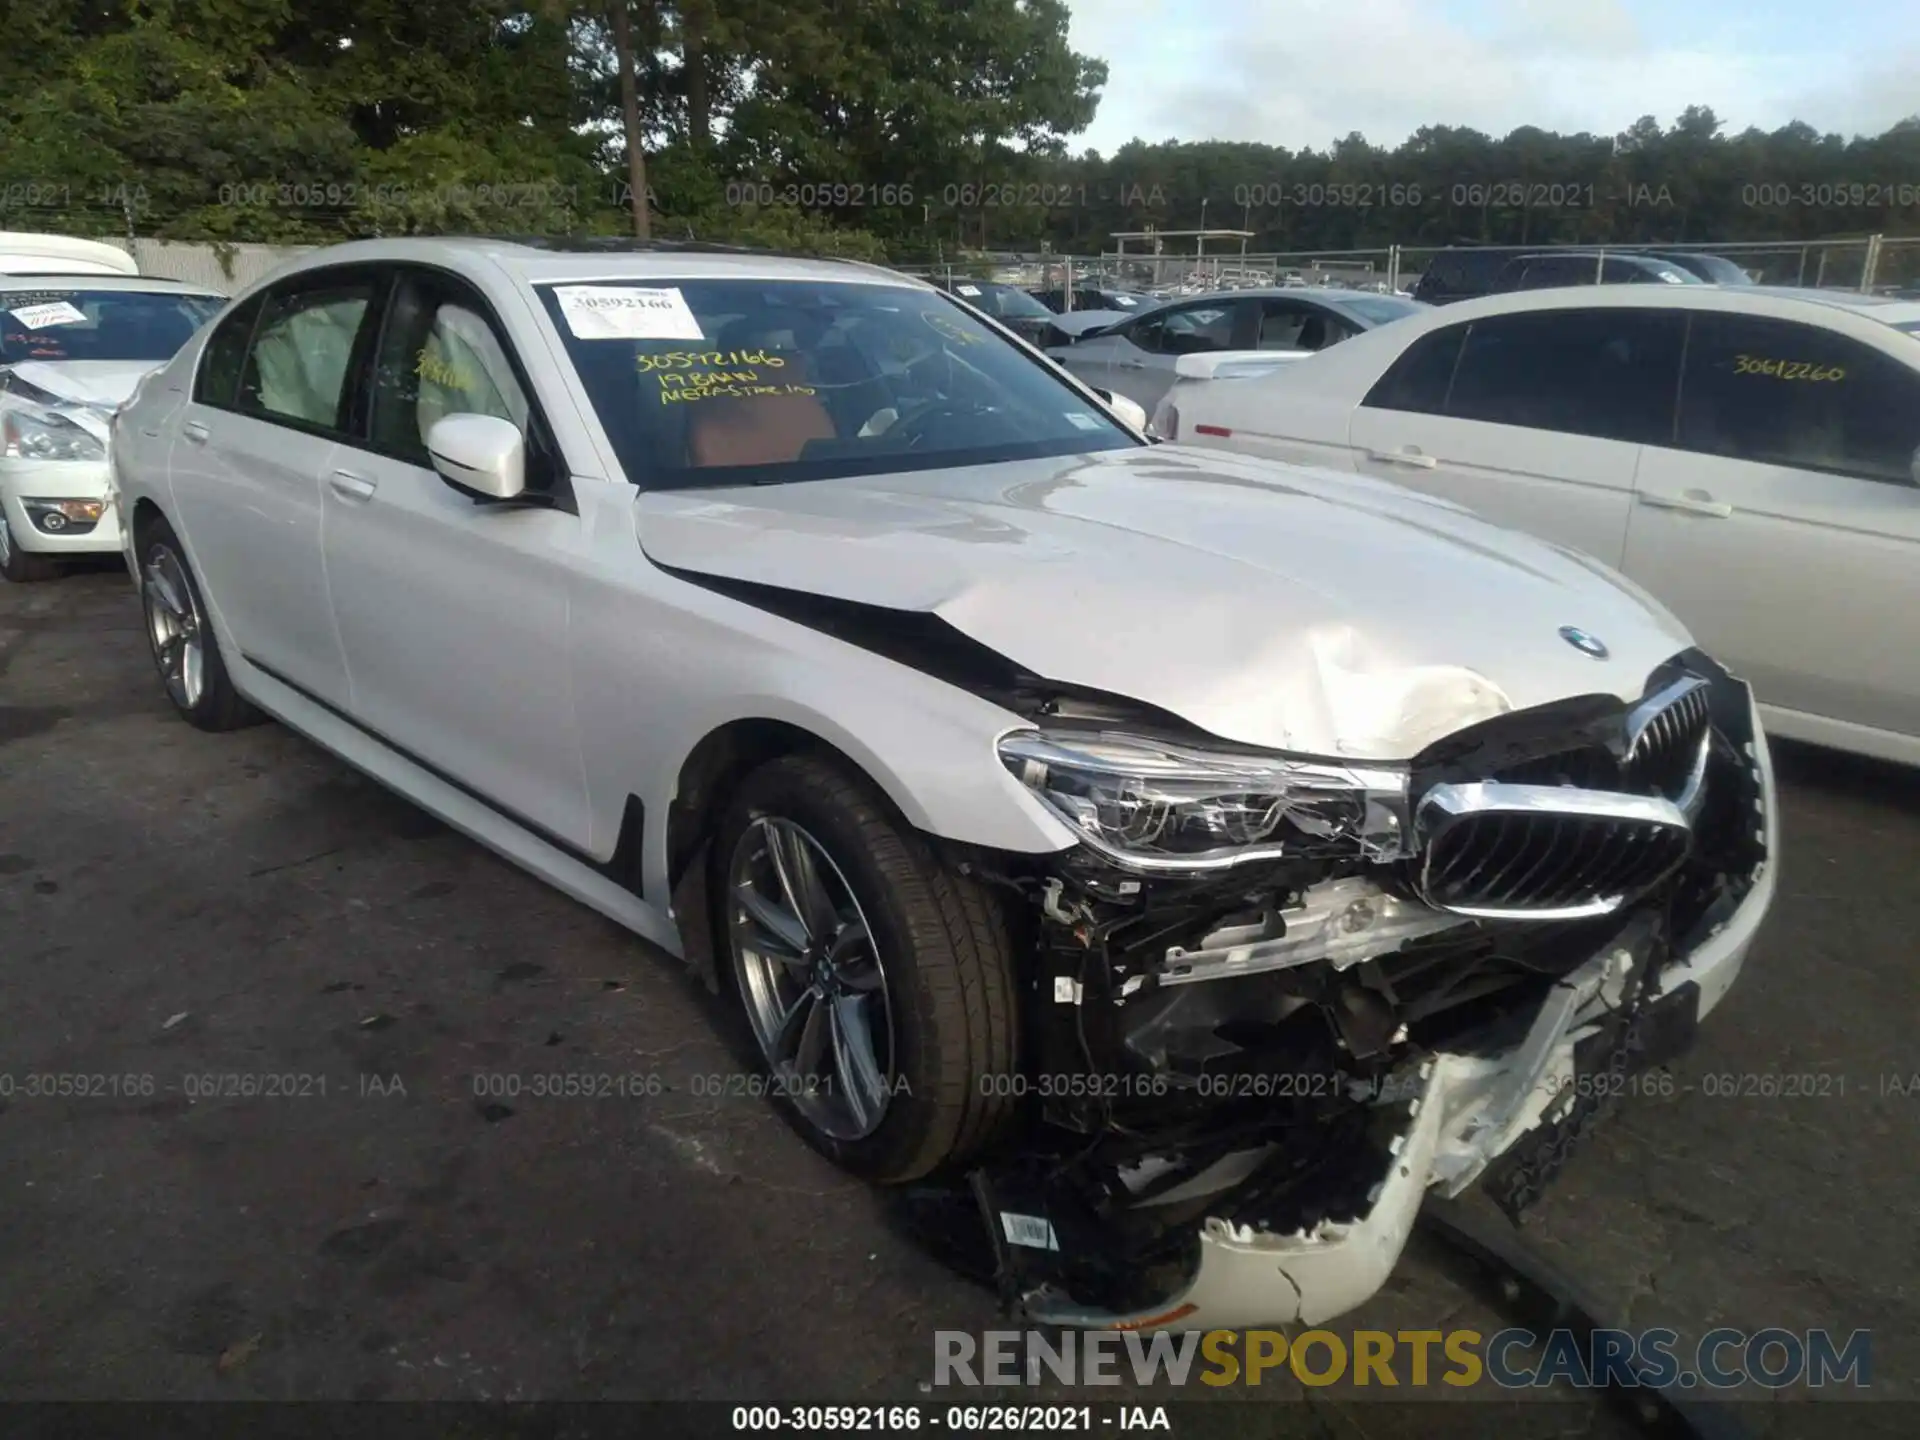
[238, 1353]
[376, 1022]
[173, 1020]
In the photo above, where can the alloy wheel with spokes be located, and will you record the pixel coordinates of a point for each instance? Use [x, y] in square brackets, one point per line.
[175, 626]
[812, 978]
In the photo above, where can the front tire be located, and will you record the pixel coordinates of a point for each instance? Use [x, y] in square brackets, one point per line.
[22, 567]
[877, 984]
[185, 649]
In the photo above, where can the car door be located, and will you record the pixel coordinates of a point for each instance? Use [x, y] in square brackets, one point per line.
[453, 613]
[1534, 419]
[265, 418]
[1781, 522]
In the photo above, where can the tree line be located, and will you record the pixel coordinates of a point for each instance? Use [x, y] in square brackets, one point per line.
[904, 129]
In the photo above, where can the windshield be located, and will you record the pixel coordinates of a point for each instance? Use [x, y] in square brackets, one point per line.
[64, 323]
[1381, 310]
[724, 382]
[1003, 302]
[1719, 270]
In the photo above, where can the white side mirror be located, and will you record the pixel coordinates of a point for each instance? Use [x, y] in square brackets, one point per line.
[480, 455]
[1128, 412]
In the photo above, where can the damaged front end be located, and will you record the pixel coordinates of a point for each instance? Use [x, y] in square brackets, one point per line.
[1276, 1001]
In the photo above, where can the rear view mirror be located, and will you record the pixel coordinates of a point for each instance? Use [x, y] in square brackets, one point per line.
[1126, 411]
[479, 455]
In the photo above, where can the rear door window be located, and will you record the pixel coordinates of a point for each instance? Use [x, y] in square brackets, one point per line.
[297, 364]
[1419, 380]
[1609, 373]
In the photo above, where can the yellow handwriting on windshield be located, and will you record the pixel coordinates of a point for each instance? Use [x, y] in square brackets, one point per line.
[738, 386]
[951, 329]
[705, 360]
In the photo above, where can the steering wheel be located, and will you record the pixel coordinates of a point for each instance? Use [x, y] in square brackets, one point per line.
[912, 428]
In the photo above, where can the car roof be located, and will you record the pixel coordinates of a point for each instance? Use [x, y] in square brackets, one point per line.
[1776, 299]
[87, 280]
[537, 261]
[1328, 294]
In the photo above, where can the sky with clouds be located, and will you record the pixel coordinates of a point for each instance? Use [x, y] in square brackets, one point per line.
[1302, 73]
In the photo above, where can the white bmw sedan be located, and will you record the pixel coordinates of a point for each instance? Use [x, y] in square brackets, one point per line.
[1207, 855]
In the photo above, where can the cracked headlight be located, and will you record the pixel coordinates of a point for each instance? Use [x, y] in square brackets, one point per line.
[1150, 805]
[43, 435]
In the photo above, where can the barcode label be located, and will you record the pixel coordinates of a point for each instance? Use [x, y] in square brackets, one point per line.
[1033, 1231]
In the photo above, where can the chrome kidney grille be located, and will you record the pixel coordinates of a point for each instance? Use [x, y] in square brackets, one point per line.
[1668, 735]
[1544, 852]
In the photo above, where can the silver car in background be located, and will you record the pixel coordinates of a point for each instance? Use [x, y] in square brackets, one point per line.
[1138, 357]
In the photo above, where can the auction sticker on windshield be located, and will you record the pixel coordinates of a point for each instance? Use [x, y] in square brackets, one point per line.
[627, 312]
[39, 317]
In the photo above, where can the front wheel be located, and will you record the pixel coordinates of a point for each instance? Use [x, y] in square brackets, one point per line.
[22, 566]
[877, 983]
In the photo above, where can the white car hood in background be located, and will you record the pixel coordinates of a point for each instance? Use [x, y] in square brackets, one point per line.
[87, 391]
[1269, 604]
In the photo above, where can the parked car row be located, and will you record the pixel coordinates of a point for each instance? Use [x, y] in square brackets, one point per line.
[1468, 272]
[1207, 853]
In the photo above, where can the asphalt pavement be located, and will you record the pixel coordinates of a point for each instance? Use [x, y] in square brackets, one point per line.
[295, 1171]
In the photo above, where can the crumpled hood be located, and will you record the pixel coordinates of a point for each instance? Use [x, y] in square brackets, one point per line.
[87, 391]
[1269, 604]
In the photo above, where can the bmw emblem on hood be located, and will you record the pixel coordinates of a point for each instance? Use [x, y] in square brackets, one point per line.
[1583, 642]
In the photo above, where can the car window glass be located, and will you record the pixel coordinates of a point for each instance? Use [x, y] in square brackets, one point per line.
[720, 381]
[73, 322]
[218, 382]
[1611, 373]
[1779, 393]
[1194, 331]
[296, 368]
[1285, 325]
[439, 356]
[1418, 381]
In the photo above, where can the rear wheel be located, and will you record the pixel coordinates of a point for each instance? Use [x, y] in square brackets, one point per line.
[22, 566]
[185, 649]
[877, 984]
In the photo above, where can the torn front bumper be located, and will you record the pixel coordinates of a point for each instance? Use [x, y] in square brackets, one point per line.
[1462, 1113]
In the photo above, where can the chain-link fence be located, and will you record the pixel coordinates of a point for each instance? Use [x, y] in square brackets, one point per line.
[1862, 263]
[1866, 263]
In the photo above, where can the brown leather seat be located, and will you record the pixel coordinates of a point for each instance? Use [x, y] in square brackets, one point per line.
[733, 430]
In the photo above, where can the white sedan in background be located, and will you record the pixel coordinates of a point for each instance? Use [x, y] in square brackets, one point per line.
[72, 347]
[1139, 358]
[1749, 455]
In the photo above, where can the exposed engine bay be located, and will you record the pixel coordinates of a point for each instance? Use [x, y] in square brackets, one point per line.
[1245, 1055]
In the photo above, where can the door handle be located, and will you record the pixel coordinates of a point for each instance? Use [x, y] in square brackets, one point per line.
[195, 432]
[1694, 502]
[1404, 457]
[351, 487]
